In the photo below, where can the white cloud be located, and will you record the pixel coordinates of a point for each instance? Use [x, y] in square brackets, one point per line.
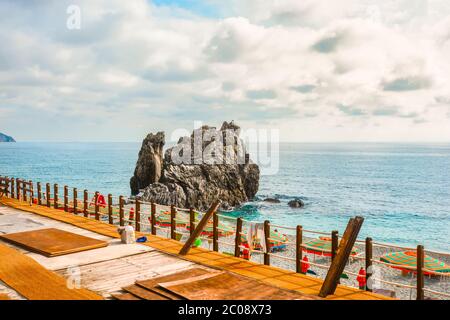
[316, 69]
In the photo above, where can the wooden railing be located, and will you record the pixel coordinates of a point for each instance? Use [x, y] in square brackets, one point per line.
[115, 211]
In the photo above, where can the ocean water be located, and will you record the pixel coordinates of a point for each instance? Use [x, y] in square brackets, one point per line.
[402, 190]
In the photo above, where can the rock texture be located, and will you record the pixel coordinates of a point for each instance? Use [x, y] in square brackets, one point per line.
[150, 161]
[5, 138]
[296, 203]
[197, 171]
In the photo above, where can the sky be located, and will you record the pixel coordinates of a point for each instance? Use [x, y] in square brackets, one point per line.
[316, 70]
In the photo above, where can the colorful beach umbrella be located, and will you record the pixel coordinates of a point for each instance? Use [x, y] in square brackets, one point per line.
[277, 241]
[409, 258]
[322, 247]
[164, 220]
[223, 229]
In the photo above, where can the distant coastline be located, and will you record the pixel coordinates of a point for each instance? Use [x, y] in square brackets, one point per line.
[5, 138]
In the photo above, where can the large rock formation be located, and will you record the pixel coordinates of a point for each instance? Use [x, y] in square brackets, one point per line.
[149, 165]
[5, 138]
[208, 165]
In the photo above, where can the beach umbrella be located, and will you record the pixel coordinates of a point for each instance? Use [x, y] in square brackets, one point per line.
[223, 229]
[409, 258]
[322, 247]
[164, 219]
[277, 241]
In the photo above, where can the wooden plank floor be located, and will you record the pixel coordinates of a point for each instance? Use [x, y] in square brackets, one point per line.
[268, 274]
[34, 282]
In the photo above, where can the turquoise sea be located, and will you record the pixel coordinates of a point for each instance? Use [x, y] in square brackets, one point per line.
[402, 190]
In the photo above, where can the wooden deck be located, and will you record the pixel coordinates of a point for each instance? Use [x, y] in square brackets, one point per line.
[271, 275]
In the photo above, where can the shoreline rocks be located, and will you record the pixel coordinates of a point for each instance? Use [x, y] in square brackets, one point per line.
[297, 203]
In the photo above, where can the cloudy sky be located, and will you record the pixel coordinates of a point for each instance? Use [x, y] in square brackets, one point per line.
[317, 70]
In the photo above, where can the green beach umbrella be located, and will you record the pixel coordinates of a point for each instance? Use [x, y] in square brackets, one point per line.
[164, 220]
[277, 241]
[409, 258]
[322, 246]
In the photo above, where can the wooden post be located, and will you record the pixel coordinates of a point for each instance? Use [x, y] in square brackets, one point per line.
[85, 203]
[12, 188]
[110, 210]
[420, 278]
[55, 196]
[191, 220]
[17, 188]
[31, 186]
[334, 243]
[47, 194]
[137, 210]
[66, 198]
[75, 201]
[153, 217]
[96, 206]
[24, 190]
[343, 253]
[39, 191]
[173, 226]
[238, 238]
[298, 249]
[215, 232]
[267, 236]
[121, 222]
[198, 230]
[369, 252]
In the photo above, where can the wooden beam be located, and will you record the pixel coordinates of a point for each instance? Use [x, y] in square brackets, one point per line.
[121, 202]
[343, 253]
[137, 220]
[47, 194]
[85, 203]
[12, 188]
[110, 209]
[153, 217]
[334, 243]
[191, 220]
[198, 230]
[173, 224]
[55, 196]
[96, 206]
[369, 251]
[266, 236]
[215, 232]
[298, 249]
[39, 192]
[66, 198]
[238, 239]
[420, 266]
[75, 201]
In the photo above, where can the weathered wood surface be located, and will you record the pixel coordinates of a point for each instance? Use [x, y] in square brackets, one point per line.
[144, 293]
[125, 296]
[33, 281]
[111, 276]
[267, 274]
[153, 284]
[52, 242]
[228, 286]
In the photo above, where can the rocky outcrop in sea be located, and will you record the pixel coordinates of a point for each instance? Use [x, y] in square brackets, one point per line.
[209, 164]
